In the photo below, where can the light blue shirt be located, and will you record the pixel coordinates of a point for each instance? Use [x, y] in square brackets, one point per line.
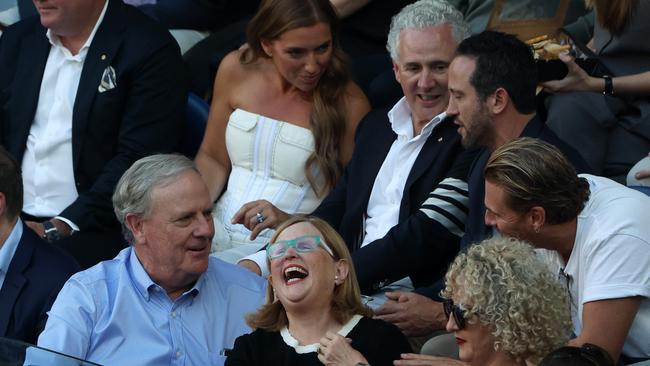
[8, 249]
[114, 314]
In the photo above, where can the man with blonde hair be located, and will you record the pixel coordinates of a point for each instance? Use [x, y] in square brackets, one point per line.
[596, 233]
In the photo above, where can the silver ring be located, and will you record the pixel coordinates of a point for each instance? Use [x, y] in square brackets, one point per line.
[259, 217]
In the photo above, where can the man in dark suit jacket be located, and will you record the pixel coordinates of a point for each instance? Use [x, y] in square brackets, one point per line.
[31, 271]
[129, 102]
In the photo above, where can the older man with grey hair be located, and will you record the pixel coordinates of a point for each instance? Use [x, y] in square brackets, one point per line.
[399, 231]
[163, 300]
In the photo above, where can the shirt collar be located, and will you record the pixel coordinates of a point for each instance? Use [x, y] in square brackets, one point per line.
[402, 123]
[145, 285]
[10, 245]
[56, 42]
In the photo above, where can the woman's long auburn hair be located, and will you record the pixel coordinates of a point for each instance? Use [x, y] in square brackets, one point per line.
[327, 121]
[613, 15]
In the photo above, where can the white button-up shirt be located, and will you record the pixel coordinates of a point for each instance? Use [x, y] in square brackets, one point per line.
[386, 196]
[48, 175]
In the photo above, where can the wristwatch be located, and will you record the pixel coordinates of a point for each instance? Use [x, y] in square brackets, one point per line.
[609, 85]
[51, 232]
[361, 364]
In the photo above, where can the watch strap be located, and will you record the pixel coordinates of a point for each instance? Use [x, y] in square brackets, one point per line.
[51, 232]
[609, 85]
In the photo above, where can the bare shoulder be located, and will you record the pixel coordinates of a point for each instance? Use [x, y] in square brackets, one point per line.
[231, 67]
[356, 104]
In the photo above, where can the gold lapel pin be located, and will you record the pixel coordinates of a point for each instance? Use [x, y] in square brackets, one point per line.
[439, 139]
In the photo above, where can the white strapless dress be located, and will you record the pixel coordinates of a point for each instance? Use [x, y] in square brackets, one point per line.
[268, 162]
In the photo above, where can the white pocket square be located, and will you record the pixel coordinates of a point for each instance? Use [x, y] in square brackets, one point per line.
[108, 81]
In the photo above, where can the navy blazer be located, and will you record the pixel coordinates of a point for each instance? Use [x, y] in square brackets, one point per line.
[142, 115]
[475, 228]
[36, 273]
[410, 248]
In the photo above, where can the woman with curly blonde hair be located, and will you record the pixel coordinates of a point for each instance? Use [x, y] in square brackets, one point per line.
[504, 306]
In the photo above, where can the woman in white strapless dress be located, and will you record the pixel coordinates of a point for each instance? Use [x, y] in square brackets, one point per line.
[281, 125]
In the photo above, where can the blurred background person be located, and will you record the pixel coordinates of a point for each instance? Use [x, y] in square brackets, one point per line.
[586, 355]
[608, 114]
[504, 306]
[282, 120]
[314, 313]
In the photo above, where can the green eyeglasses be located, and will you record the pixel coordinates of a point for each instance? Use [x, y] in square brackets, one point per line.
[303, 244]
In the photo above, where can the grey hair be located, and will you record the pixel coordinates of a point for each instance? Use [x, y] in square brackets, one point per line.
[425, 14]
[133, 191]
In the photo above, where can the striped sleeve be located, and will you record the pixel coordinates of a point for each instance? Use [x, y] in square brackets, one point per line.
[448, 205]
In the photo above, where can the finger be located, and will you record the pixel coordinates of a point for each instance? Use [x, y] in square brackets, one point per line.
[393, 295]
[642, 174]
[566, 58]
[389, 307]
[391, 318]
[550, 86]
[412, 362]
[257, 229]
[240, 215]
[324, 342]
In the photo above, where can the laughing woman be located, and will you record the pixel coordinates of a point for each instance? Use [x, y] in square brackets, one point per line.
[314, 313]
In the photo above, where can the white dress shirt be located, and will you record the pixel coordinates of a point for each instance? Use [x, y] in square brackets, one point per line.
[48, 175]
[387, 191]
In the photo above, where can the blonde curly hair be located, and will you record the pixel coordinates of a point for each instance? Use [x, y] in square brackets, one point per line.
[511, 291]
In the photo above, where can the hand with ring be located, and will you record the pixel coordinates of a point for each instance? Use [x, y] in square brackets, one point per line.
[259, 215]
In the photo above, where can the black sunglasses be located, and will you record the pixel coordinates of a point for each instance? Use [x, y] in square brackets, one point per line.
[458, 313]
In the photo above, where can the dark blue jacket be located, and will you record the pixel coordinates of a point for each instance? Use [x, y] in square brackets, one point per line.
[36, 273]
[418, 246]
[142, 115]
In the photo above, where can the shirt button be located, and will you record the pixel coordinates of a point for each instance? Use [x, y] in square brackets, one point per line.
[178, 354]
[173, 314]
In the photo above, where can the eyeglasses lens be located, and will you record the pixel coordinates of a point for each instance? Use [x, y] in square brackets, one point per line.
[302, 245]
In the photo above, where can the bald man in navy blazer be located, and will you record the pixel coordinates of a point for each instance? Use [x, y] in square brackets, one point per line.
[130, 99]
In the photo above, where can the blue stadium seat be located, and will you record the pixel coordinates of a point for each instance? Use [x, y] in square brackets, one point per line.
[196, 118]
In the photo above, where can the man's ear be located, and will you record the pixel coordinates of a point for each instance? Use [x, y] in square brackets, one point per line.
[342, 271]
[499, 101]
[135, 224]
[537, 218]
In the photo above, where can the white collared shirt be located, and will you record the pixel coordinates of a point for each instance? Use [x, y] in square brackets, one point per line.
[48, 175]
[8, 249]
[387, 191]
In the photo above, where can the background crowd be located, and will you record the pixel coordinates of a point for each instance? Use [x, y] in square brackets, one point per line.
[339, 182]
